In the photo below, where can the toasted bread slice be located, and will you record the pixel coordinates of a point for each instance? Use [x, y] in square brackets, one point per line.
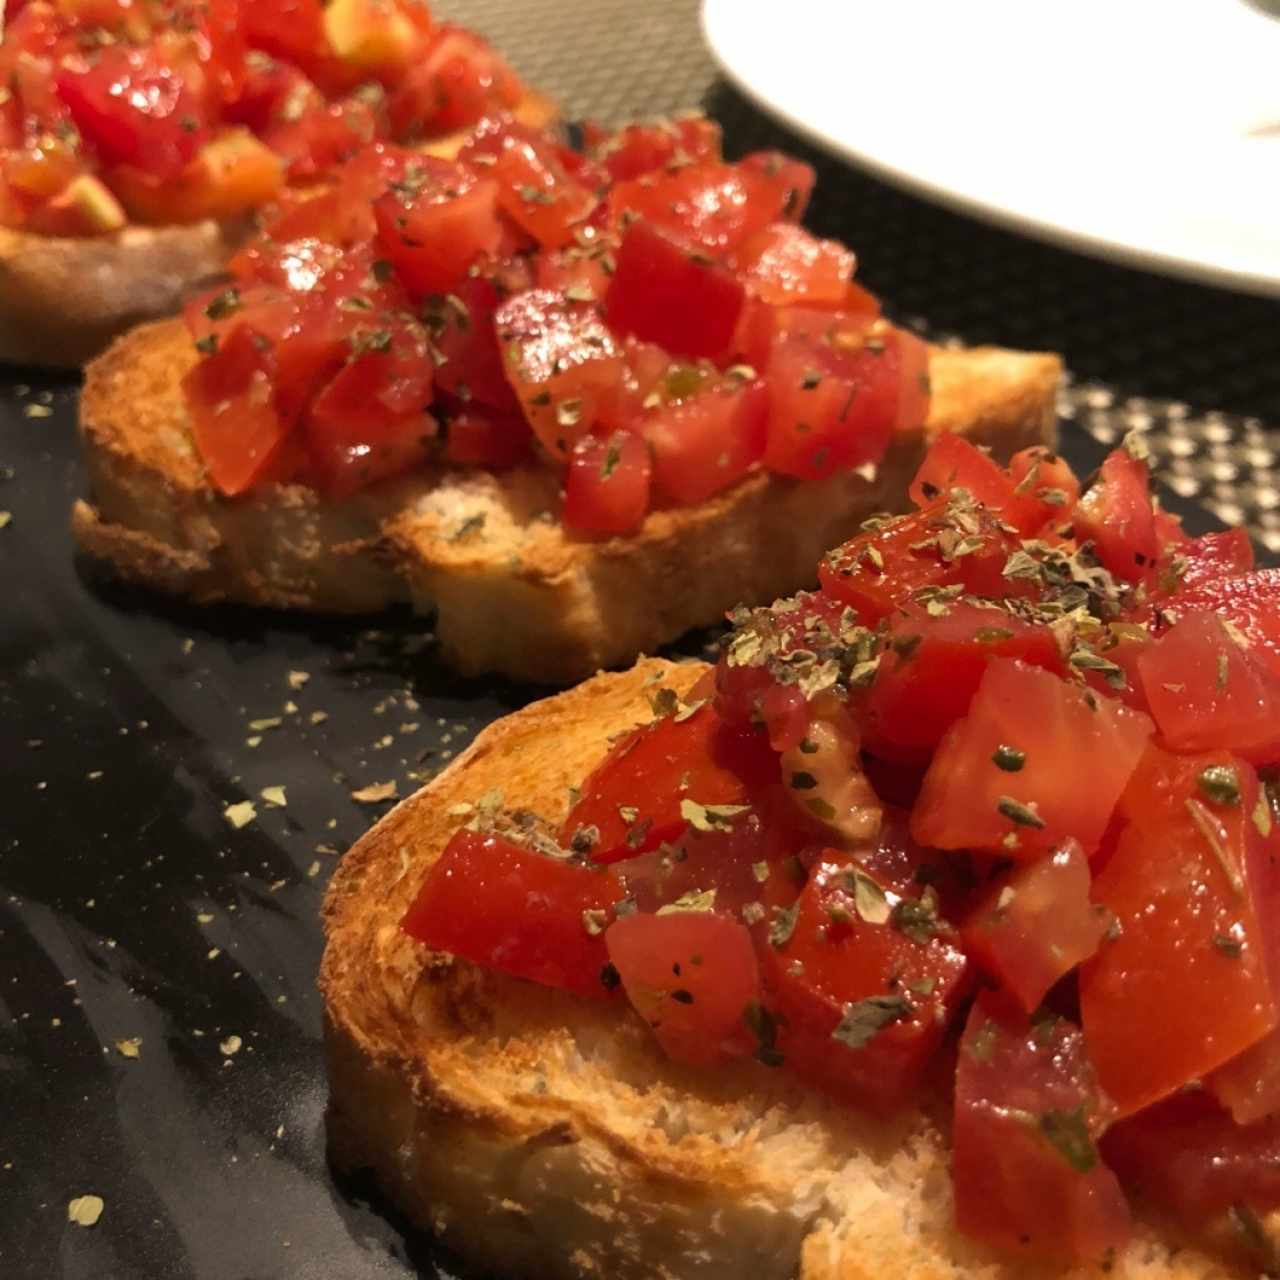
[512, 591]
[545, 1135]
[63, 299]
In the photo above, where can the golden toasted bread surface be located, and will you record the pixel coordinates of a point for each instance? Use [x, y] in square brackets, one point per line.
[511, 590]
[544, 1135]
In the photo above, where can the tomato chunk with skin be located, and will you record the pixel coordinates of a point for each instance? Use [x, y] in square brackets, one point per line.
[534, 190]
[606, 489]
[1206, 692]
[561, 361]
[1185, 985]
[644, 148]
[437, 220]
[639, 796]
[236, 425]
[1006, 778]
[884, 568]
[708, 442]
[863, 994]
[1025, 1165]
[829, 409]
[692, 976]
[931, 668]
[1117, 516]
[1249, 601]
[1249, 1085]
[787, 264]
[1190, 1156]
[662, 292]
[462, 327]
[1036, 924]
[498, 904]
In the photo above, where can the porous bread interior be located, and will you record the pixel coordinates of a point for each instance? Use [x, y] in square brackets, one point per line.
[545, 1135]
[512, 591]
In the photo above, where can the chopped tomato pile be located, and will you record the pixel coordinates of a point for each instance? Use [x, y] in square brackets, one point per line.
[172, 111]
[991, 806]
[641, 315]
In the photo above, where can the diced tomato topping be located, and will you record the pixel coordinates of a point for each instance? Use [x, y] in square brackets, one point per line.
[1207, 559]
[435, 222]
[534, 189]
[1249, 601]
[931, 668]
[1249, 1085]
[1026, 1169]
[233, 417]
[786, 264]
[1184, 985]
[459, 81]
[862, 987]
[1206, 691]
[935, 548]
[1036, 924]
[1038, 487]
[606, 489]
[707, 442]
[829, 410]
[561, 361]
[136, 109]
[644, 148]
[662, 292]
[693, 977]
[1006, 778]
[371, 420]
[1116, 515]
[1188, 1155]
[538, 912]
[661, 777]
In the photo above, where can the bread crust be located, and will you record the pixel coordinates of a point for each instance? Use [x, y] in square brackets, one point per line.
[544, 1135]
[63, 299]
[512, 592]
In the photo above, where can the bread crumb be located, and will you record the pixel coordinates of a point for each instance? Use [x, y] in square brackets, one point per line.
[274, 796]
[376, 792]
[131, 1048]
[230, 1046]
[298, 678]
[84, 1211]
[240, 815]
[43, 411]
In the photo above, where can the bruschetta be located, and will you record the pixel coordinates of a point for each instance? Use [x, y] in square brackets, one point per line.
[929, 933]
[574, 402]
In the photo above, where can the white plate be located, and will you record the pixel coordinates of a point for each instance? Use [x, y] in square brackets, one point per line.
[1146, 131]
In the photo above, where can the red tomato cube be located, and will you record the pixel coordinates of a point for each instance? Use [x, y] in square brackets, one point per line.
[931, 667]
[498, 904]
[786, 264]
[708, 442]
[435, 222]
[863, 992]
[1185, 984]
[663, 293]
[606, 489]
[1025, 1165]
[1116, 515]
[1206, 692]
[693, 977]
[1036, 924]
[562, 363]
[1006, 778]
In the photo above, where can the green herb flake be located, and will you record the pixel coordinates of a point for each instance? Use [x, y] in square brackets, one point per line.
[803, 781]
[1010, 759]
[223, 304]
[1018, 813]
[820, 809]
[1068, 1134]
[1220, 783]
[784, 924]
[696, 900]
[710, 817]
[869, 899]
[863, 1020]
[594, 921]
[761, 871]
[612, 456]
[917, 918]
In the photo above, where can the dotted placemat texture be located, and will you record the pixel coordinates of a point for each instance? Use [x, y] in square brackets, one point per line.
[1196, 369]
